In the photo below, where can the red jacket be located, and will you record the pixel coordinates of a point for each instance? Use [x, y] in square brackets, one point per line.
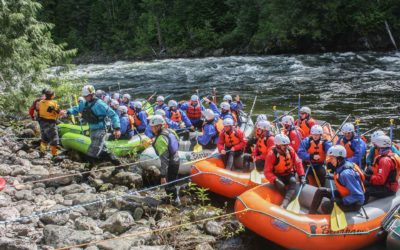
[383, 166]
[33, 108]
[270, 161]
[238, 134]
[294, 138]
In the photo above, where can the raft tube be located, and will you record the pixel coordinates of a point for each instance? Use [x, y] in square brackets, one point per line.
[303, 231]
[81, 144]
[2, 183]
[217, 179]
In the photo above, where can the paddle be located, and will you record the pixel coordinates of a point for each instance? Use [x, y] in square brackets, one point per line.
[337, 132]
[214, 96]
[359, 139]
[391, 130]
[369, 131]
[338, 218]
[197, 148]
[255, 176]
[70, 106]
[249, 114]
[294, 205]
[298, 111]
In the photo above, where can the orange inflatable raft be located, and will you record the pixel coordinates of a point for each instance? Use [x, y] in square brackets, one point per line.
[262, 214]
[211, 174]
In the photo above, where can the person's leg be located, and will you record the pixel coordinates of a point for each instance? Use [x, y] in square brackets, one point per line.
[230, 156]
[260, 165]
[321, 174]
[52, 133]
[291, 182]
[319, 195]
[377, 192]
[172, 175]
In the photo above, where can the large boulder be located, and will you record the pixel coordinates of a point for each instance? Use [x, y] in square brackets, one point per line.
[60, 236]
[56, 218]
[128, 179]
[71, 189]
[118, 223]
[8, 213]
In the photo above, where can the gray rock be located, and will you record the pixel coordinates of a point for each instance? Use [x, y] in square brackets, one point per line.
[128, 179]
[5, 170]
[38, 171]
[8, 213]
[16, 244]
[188, 240]
[24, 195]
[4, 200]
[118, 222]
[92, 248]
[123, 244]
[59, 236]
[85, 223]
[71, 189]
[203, 246]
[23, 162]
[235, 243]
[27, 133]
[144, 234]
[60, 218]
[213, 228]
[39, 190]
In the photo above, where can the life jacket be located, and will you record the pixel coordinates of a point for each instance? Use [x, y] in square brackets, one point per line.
[305, 126]
[137, 121]
[172, 138]
[193, 112]
[131, 121]
[176, 116]
[341, 188]
[317, 149]
[48, 110]
[394, 175]
[261, 145]
[130, 124]
[284, 163]
[131, 111]
[219, 125]
[88, 115]
[347, 146]
[231, 139]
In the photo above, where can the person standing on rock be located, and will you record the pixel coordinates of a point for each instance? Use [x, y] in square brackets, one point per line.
[94, 111]
[48, 113]
[166, 145]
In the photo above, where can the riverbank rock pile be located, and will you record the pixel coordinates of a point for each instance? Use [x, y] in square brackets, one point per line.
[93, 208]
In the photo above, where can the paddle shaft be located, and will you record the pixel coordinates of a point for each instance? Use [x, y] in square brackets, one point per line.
[298, 110]
[337, 132]
[249, 114]
[391, 130]
[286, 113]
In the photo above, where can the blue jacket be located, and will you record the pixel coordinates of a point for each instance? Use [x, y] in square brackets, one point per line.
[351, 180]
[163, 106]
[185, 107]
[209, 133]
[171, 124]
[143, 118]
[126, 127]
[184, 117]
[302, 152]
[218, 113]
[359, 148]
[235, 106]
[371, 155]
[101, 110]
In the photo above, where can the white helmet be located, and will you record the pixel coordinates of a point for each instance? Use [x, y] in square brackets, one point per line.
[281, 139]
[375, 135]
[156, 120]
[265, 125]
[316, 130]
[172, 103]
[127, 96]
[114, 102]
[115, 96]
[123, 109]
[100, 93]
[137, 105]
[194, 98]
[306, 110]
[88, 90]
[348, 128]
[287, 120]
[383, 141]
[107, 99]
[261, 117]
[227, 98]
[209, 114]
[160, 98]
[81, 99]
[337, 151]
[228, 122]
[225, 106]
[160, 112]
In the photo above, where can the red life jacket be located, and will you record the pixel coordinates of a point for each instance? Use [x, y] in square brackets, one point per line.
[394, 175]
[137, 121]
[231, 139]
[284, 163]
[193, 112]
[347, 146]
[341, 188]
[317, 149]
[176, 116]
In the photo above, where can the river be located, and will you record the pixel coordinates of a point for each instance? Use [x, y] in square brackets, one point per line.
[333, 85]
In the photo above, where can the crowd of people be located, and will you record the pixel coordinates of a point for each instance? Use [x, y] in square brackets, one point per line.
[281, 149]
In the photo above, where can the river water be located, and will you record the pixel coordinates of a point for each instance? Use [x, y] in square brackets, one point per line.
[333, 85]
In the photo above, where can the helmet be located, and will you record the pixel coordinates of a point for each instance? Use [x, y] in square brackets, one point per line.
[337, 151]
[127, 96]
[316, 130]
[100, 93]
[383, 141]
[261, 118]
[194, 98]
[115, 96]
[209, 114]
[348, 128]
[88, 90]
[225, 106]
[287, 120]
[306, 110]
[281, 139]
[265, 125]
[375, 135]
[160, 98]
[156, 120]
[227, 98]
[123, 109]
[228, 122]
[172, 103]
[160, 112]
[137, 105]
[81, 99]
[114, 102]
[106, 99]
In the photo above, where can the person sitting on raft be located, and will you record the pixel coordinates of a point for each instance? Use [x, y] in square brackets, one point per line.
[125, 124]
[168, 123]
[193, 110]
[348, 179]
[231, 143]
[209, 138]
[281, 166]
[160, 104]
[306, 121]
[178, 116]
[313, 151]
[291, 131]
[235, 105]
[374, 150]
[355, 148]
[382, 179]
[139, 117]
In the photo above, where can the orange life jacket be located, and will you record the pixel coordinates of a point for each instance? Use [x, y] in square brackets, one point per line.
[342, 189]
[219, 125]
[284, 163]
[317, 149]
[395, 174]
[136, 119]
[347, 146]
[48, 110]
[261, 145]
[131, 121]
[231, 139]
[130, 111]
[193, 112]
[305, 127]
[176, 116]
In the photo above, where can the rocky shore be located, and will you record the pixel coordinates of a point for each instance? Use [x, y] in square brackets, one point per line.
[100, 209]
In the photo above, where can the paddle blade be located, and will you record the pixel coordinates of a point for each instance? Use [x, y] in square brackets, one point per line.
[294, 206]
[338, 219]
[197, 148]
[255, 176]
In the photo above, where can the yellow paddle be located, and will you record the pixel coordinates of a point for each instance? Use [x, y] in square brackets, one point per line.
[338, 218]
[197, 148]
[294, 205]
[315, 175]
[72, 116]
[255, 176]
